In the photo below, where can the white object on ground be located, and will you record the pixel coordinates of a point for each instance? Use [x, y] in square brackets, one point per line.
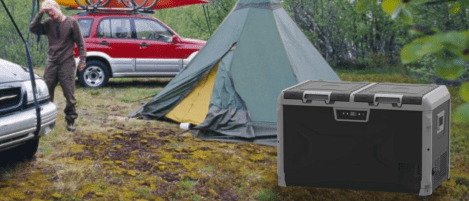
[184, 126]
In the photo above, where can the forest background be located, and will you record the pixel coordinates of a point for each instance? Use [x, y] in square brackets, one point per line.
[360, 36]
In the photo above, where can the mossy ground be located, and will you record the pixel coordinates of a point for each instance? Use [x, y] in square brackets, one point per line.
[109, 158]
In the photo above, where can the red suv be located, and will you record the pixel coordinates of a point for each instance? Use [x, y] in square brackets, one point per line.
[131, 45]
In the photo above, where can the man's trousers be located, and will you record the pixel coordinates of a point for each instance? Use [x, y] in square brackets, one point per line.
[63, 73]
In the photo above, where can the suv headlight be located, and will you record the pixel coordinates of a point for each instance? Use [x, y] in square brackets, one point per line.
[42, 91]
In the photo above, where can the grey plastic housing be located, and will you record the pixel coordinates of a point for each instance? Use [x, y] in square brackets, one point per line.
[430, 100]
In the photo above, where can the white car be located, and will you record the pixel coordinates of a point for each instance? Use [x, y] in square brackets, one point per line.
[18, 121]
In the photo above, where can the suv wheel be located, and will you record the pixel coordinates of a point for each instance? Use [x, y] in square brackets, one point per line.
[95, 75]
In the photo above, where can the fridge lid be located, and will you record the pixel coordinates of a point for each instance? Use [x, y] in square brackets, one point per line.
[394, 93]
[323, 90]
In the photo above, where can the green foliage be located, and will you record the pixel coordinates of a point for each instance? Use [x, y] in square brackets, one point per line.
[464, 92]
[12, 46]
[461, 115]
[186, 184]
[268, 195]
[451, 48]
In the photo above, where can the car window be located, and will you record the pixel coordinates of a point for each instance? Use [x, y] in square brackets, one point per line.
[151, 30]
[120, 28]
[104, 29]
[85, 27]
[114, 28]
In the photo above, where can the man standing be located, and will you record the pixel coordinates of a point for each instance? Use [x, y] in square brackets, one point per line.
[62, 32]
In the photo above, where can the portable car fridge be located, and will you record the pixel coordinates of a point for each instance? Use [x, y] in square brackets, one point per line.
[364, 136]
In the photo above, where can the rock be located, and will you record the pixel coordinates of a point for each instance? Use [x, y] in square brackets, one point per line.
[56, 195]
[212, 192]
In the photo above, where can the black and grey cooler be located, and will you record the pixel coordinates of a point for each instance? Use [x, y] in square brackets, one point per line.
[364, 136]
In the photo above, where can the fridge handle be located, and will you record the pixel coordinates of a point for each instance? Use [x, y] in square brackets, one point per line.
[317, 96]
[394, 99]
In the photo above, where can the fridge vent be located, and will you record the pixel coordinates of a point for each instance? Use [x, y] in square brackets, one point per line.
[409, 175]
[440, 166]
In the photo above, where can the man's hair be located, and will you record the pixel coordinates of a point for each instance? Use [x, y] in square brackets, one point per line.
[47, 4]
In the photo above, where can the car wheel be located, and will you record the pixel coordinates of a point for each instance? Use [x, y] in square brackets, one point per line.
[27, 150]
[95, 75]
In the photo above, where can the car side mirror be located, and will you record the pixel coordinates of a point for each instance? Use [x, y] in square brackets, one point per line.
[175, 39]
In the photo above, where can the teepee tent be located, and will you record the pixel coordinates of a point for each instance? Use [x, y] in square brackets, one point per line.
[230, 89]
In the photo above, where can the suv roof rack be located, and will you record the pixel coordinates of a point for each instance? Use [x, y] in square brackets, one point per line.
[89, 10]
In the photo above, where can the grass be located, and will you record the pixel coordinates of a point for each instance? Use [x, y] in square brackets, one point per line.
[82, 165]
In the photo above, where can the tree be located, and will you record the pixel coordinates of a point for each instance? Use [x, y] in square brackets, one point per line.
[450, 48]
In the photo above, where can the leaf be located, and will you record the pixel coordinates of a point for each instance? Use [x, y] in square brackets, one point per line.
[455, 8]
[464, 91]
[450, 68]
[362, 5]
[461, 115]
[408, 54]
[390, 5]
[458, 40]
[406, 16]
[419, 48]
[430, 45]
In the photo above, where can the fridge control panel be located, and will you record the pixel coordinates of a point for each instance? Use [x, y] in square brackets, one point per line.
[355, 115]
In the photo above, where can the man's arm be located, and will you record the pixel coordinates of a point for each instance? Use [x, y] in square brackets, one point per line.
[78, 38]
[37, 22]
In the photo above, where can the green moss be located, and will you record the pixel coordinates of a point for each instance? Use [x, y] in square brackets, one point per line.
[267, 195]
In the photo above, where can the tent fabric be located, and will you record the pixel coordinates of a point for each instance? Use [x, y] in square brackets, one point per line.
[300, 51]
[257, 52]
[260, 73]
[270, 6]
[200, 95]
[225, 36]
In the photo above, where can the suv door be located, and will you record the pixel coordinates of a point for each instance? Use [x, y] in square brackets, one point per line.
[115, 39]
[157, 53]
